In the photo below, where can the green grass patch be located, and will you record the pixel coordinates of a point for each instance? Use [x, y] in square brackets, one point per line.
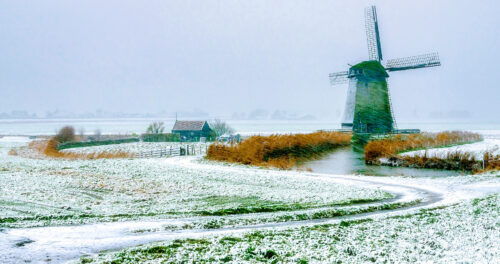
[82, 144]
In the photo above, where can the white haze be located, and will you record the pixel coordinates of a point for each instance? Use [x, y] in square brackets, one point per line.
[236, 56]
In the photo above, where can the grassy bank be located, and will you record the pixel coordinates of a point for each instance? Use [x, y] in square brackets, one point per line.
[386, 150]
[281, 151]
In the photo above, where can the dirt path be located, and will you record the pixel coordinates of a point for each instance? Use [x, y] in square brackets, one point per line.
[60, 244]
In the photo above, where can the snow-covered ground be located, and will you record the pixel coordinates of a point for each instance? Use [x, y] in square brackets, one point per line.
[478, 149]
[467, 232]
[49, 192]
[164, 200]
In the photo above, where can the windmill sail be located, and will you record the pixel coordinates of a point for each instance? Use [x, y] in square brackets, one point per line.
[338, 77]
[414, 62]
[372, 34]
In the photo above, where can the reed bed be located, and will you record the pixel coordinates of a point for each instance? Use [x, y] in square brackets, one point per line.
[390, 147]
[386, 152]
[280, 151]
[456, 160]
[49, 148]
[491, 162]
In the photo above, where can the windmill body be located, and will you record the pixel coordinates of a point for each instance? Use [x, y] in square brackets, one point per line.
[368, 107]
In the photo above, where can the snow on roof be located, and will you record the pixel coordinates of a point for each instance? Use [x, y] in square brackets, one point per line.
[188, 125]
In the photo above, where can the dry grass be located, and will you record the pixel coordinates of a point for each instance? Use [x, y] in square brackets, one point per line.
[457, 160]
[451, 161]
[49, 149]
[280, 151]
[390, 147]
[491, 162]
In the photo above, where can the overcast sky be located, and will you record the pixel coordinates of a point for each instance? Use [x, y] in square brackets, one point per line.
[234, 56]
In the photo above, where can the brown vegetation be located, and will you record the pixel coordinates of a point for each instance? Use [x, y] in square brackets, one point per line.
[457, 160]
[491, 162]
[65, 134]
[281, 151]
[390, 147]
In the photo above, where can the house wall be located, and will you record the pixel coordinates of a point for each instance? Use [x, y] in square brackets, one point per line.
[191, 135]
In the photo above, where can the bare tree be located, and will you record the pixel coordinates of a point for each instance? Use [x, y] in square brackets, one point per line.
[65, 134]
[156, 127]
[220, 128]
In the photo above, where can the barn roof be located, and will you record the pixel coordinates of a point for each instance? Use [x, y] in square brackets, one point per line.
[188, 125]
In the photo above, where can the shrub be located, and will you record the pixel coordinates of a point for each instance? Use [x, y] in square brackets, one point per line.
[281, 151]
[165, 137]
[65, 134]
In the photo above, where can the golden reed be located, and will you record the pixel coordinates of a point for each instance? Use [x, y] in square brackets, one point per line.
[280, 151]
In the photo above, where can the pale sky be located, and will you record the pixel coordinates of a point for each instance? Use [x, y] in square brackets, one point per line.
[234, 56]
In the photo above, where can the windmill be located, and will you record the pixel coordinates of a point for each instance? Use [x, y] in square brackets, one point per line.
[368, 107]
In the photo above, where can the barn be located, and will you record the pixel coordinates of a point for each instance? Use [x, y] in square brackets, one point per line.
[192, 130]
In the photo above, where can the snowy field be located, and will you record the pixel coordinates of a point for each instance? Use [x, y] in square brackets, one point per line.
[55, 192]
[478, 149]
[188, 209]
[468, 232]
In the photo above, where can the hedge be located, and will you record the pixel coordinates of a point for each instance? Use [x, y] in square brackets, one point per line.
[166, 137]
[67, 145]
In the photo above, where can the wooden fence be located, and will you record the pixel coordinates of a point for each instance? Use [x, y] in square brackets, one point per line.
[185, 150]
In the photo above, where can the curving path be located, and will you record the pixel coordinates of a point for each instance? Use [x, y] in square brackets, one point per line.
[60, 244]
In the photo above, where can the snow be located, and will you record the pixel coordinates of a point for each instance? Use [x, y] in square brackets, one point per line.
[456, 231]
[478, 149]
[173, 190]
[14, 139]
[158, 187]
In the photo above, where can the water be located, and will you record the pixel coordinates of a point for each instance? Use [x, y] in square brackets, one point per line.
[345, 161]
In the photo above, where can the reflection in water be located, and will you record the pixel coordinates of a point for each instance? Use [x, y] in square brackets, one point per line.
[347, 161]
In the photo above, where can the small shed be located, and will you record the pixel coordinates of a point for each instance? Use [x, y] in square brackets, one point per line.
[192, 130]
